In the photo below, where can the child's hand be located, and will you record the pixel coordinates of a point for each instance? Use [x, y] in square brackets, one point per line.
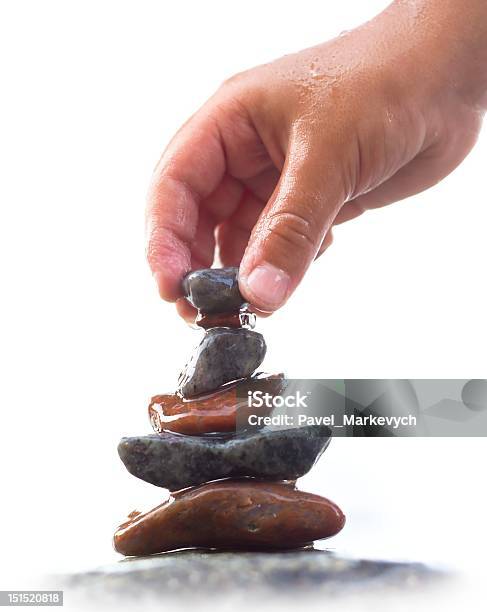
[284, 151]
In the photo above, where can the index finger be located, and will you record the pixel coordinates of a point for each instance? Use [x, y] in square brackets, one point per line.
[190, 169]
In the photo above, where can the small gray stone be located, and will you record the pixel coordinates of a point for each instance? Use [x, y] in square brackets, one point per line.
[223, 355]
[213, 290]
[174, 461]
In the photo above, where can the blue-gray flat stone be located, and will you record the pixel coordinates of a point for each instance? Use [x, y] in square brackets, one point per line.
[222, 356]
[174, 461]
[213, 290]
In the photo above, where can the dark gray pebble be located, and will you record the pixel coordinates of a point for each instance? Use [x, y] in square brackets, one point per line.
[223, 355]
[213, 290]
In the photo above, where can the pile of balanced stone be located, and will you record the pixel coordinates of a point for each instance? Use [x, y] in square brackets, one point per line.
[231, 487]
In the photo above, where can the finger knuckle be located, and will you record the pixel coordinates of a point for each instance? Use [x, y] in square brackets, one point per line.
[294, 231]
[153, 248]
[160, 244]
[235, 79]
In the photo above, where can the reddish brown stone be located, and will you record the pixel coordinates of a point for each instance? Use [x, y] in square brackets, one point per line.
[211, 413]
[245, 514]
[226, 319]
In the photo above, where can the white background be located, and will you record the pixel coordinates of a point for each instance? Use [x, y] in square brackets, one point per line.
[91, 92]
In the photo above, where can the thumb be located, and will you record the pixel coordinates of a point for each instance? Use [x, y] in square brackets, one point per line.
[291, 228]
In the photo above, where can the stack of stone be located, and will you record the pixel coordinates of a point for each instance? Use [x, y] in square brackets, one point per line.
[231, 487]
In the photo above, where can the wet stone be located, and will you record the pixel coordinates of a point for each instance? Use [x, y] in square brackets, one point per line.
[213, 290]
[231, 514]
[226, 319]
[223, 355]
[213, 413]
[175, 461]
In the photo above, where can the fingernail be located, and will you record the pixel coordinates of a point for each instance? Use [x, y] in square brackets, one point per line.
[268, 286]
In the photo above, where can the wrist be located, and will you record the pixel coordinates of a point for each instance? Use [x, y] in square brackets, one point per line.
[448, 43]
